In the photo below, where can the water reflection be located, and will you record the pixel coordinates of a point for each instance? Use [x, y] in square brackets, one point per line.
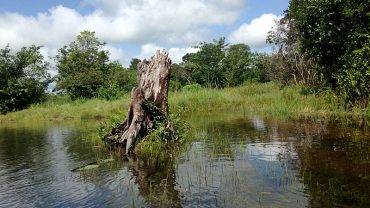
[236, 161]
[35, 163]
[303, 163]
[335, 168]
[241, 164]
[157, 186]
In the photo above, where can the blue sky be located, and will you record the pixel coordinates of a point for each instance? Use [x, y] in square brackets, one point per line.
[136, 28]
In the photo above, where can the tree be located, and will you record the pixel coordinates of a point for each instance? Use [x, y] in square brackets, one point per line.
[257, 68]
[236, 64]
[179, 77]
[354, 79]
[83, 66]
[219, 65]
[336, 34]
[133, 63]
[205, 65]
[288, 64]
[119, 81]
[23, 78]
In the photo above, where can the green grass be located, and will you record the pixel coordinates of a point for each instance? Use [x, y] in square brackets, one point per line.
[62, 108]
[268, 99]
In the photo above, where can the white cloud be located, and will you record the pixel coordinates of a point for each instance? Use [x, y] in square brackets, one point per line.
[118, 54]
[148, 50]
[52, 29]
[171, 23]
[176, 54]
[176, 21]
[254, 34]
[138, 21]
[48, 54]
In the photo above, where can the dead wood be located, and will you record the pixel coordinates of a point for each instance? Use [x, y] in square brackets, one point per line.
[149, 103]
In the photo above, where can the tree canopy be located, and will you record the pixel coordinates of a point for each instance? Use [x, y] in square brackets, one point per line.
[218, 64]
[331, 30]
[85, 69]
[23, 78]
[325, 43]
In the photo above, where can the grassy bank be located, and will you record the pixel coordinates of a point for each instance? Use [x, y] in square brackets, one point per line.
[268, 99]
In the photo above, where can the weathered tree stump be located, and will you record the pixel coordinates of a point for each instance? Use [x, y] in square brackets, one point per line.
[149, 103]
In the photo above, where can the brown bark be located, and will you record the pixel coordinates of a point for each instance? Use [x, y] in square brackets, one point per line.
[148, 101]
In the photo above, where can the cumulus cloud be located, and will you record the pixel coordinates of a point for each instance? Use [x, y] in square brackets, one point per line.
[138, 21]
[117, 54]
[176, 54]
[170, 23]
[148, 50]
[175, 15]
[254, 33]
[51, 29]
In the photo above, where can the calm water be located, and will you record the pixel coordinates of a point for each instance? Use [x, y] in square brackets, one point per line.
[236, 161]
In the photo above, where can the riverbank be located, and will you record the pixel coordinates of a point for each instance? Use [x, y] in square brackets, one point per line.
[267, 99]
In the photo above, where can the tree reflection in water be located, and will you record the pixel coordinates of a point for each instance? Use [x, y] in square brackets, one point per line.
[155, 184]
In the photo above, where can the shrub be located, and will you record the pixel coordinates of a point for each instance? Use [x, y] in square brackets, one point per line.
[192, 88]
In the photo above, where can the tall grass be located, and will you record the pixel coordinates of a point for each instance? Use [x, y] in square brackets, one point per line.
[267, 99]
[63, 108]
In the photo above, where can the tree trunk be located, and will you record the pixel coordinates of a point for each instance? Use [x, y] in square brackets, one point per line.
[148, 103]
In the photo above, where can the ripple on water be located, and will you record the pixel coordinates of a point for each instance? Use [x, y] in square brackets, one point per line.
[252, 163]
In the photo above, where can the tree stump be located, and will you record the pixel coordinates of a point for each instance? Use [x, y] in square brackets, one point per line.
[149, 103]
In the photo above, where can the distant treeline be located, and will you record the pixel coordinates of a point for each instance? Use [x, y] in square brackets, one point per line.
[322, 45]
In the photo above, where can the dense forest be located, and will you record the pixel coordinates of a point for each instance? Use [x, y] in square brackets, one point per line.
[321, 45]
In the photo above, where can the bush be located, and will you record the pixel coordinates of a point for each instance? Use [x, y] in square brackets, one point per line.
[192, 88]
[175, 85]
[109, 93]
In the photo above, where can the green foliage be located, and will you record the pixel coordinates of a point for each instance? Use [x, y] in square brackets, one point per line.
[206, 64]
[219, 65]
[84, 69]
[367, 112]
[235, 65]
[82, 66]
[333, 32]
[125, 79]
[324, 43]
[111, 122]
[288, 64]
[175, 85]
[265, 99]
[133, 64]
[119, 82]
[164, 141]
[192, 88]
[354, 79]
[23, 78]
[180, 76]
[257, 69]
[111, 92]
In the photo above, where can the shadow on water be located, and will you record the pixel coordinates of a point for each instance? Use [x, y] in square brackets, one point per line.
[236, 160]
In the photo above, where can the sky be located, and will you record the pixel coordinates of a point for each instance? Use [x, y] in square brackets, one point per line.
[136, 28]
